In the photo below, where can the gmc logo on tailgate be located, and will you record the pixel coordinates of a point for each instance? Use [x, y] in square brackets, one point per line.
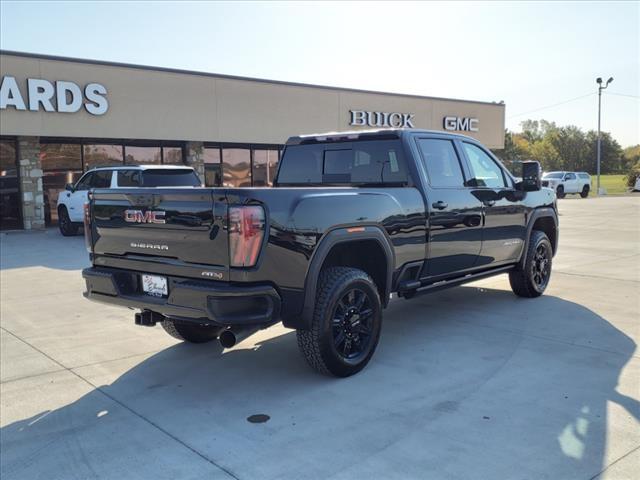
[138, 216]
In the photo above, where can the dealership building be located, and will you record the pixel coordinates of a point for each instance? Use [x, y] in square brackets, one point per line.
[62, 116]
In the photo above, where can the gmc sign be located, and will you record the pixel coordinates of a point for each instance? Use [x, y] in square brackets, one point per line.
[461, 124]
[138, 216]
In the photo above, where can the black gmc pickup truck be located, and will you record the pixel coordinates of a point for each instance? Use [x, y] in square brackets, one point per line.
[352, 218]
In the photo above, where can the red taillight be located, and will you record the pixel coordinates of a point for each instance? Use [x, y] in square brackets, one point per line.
[87, 225]
[246, 232]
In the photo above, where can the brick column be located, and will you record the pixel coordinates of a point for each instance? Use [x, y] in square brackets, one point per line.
[31, 182]
[195, 158]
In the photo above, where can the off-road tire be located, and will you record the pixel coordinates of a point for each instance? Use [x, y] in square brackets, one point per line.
[192, 333]
[65, 225]
[560, 192]
[317, 344]
[585, 191]
[522, 279]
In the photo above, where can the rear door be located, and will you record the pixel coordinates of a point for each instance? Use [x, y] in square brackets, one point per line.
[179, 231]
[455, 215]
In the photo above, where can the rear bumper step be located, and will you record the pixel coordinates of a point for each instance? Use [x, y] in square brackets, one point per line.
[205, 301]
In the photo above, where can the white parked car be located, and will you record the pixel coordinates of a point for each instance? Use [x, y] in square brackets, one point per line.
[568, 182]
[71, 201]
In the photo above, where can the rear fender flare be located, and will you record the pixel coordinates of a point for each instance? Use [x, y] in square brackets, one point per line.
[331, 239]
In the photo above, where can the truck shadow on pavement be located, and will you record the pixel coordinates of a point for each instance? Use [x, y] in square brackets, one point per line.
[466, 383]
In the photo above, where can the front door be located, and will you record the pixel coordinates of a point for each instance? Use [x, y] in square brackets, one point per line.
[504, 229]
[455, 215]
[570, 183]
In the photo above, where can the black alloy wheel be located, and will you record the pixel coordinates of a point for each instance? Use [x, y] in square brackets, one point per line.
[346, 323]
[585, 191]
[541, 266]
[352, 325]
[531, 278]
[66, 226]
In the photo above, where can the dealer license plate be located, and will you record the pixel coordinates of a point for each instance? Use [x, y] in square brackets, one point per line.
[154, 285]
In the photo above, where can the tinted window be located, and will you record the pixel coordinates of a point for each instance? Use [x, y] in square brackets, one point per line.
[10, 201]
[484, 169]
[441, 162]
[236, 167]
[128, 178]
[265, 163]
[553, 175]
[101, 179]
[170, 178]
[141, 155]
[583, 175]
[367, 162]
[85, 182]
[62, 164]
[301, 164]
[570, 176]
[212, 167]
[172, 156]
[102, 156]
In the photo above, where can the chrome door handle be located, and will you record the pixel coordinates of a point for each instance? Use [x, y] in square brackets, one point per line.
[440, 205]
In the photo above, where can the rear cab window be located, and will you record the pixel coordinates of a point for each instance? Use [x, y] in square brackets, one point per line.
[129, 178]
[367, 162]
[170, 177]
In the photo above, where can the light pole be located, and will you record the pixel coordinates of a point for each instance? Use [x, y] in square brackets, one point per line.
[600, 88]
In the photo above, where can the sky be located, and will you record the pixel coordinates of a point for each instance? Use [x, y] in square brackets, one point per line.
[537, 57]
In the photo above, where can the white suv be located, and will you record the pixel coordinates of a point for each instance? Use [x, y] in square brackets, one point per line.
[568, 182]
[71, 200]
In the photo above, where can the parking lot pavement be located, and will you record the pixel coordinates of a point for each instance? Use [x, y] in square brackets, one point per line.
[467, 383]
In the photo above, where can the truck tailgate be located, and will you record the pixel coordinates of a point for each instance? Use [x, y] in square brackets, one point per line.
[180, 230]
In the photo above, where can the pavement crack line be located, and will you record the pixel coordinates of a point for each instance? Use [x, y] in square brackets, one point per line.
[128, 408]
[62, 369]
[559, 272]
[614, 462]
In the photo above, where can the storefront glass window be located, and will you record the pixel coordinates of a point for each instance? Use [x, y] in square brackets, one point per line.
[10, 204]
[172, 156]
[102, 156]
[141, 155]
[61, 164]
[212, 167]
[265, 163]
[237, 167]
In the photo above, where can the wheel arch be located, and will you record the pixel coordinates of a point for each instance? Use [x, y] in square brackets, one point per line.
[367, 248]
[544, 220]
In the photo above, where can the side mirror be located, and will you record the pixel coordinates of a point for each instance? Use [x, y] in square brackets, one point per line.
[531, 181]
[69, 187]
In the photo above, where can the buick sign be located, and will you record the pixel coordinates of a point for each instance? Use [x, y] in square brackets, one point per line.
[361, 118]
[461, 124]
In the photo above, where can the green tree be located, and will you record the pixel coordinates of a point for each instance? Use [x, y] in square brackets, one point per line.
[611, 154]
[545, 152]
[631, 156]
[571, 144]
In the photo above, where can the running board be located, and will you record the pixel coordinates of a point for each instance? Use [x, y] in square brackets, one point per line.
[414, 289]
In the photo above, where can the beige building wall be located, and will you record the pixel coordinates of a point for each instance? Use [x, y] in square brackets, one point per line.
[154, 104]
